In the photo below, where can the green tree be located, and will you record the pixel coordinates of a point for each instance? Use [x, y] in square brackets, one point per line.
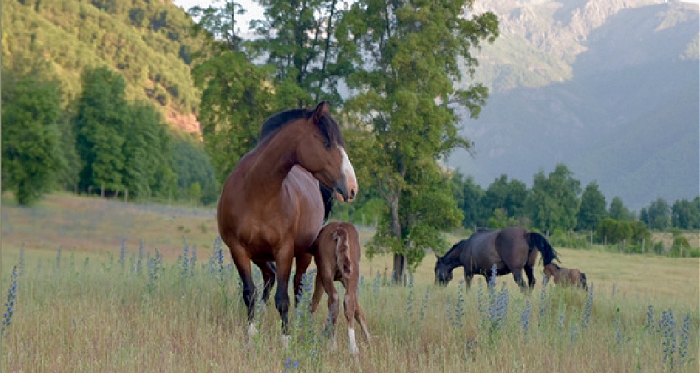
[618, 211]
[505, 196]
[592, 210]
[686, 214]
[299, 39]
[658, 215]
[32, 154]
[102, 113]
[192, 164]
[408, 58]
[554, 201]
[468, 195]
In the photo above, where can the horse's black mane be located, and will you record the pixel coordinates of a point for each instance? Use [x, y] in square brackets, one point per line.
[328, 126]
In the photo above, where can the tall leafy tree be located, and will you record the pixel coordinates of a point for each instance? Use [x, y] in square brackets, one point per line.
[468, 195]
[299, 39]
[505, 195]
[592, 210]
[618, 211]
[658, 215]
[554, 200]
[237, 95]
[686, 214]
[102, 113]
[32, 154]
[408, 56]
[192, 165]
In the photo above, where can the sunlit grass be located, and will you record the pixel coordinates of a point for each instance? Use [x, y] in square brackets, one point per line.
[180, 310]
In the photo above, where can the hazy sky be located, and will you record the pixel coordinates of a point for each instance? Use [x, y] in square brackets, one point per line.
[253, 10]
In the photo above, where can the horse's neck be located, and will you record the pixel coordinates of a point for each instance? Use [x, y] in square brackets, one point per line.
[274, 160]
[452, 258]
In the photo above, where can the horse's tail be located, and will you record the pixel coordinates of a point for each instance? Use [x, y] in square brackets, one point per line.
[584, 281]
[342, 251]
[537, 240]
[327, 196]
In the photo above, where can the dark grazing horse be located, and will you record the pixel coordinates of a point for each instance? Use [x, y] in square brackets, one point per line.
[271, 207]
[511, 249]
[337, 254]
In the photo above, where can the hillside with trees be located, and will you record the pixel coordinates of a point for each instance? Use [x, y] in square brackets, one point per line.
[148, 42]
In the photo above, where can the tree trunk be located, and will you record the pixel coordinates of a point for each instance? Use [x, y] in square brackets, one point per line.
[398, 275]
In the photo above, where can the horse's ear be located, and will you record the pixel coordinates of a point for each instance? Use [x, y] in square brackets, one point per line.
[436, 256]
[321, 108]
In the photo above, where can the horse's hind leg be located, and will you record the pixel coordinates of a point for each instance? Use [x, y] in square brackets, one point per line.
[350, 306]
[268, 273]
[518, 277]
[530, 276]
[360, 317]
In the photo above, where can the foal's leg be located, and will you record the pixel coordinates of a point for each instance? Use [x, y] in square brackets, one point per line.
[349, 306]
[360, 317]
[268, 273]
[333, 310]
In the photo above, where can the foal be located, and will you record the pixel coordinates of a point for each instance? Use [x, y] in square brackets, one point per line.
[565, 275]
[337, 254]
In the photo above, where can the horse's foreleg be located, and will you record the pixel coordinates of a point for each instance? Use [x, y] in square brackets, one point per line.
[268, 273]
[244, 270]
[302, 263]
[284, 268]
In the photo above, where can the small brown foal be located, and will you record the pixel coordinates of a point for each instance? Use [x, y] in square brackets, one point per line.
[337, 254]
[563, 275]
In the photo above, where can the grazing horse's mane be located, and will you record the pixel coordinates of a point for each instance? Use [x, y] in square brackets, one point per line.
[447, 258]
[328, 126]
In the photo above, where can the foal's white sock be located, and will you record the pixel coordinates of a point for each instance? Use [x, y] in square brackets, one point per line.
[353, 345]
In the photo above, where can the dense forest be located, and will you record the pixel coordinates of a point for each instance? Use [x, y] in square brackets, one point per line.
[87, 86]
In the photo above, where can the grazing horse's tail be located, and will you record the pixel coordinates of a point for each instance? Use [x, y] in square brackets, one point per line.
[342, 251]
[584, 282]
[537, 240]
[327, 196]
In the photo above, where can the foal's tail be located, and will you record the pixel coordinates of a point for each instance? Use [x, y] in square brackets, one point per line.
[537, 240]
[342, 251]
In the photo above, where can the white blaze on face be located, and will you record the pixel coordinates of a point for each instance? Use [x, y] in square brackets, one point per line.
[349, 172]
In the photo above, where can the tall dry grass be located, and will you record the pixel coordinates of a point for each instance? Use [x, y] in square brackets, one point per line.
[131, 308]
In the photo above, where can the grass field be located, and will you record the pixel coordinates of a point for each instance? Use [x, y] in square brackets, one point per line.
[104, 286]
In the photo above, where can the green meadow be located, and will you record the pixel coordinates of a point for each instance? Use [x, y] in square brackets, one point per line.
[103, 286]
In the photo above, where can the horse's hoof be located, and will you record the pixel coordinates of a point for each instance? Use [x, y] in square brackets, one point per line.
[285, 341]
[252, 330]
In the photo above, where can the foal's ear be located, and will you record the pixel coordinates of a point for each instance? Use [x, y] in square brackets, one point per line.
[321, 108]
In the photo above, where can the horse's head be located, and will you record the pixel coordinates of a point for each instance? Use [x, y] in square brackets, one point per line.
[324, 154]
[443, 272]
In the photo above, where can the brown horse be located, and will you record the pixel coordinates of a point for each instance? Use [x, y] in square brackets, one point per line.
[565, 276]
[337, 254]
[511, 249]
[270, 210]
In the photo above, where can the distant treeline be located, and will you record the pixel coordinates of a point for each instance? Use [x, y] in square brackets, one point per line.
[99, 143]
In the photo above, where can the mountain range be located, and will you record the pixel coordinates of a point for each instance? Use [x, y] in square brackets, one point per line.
[607, 87]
